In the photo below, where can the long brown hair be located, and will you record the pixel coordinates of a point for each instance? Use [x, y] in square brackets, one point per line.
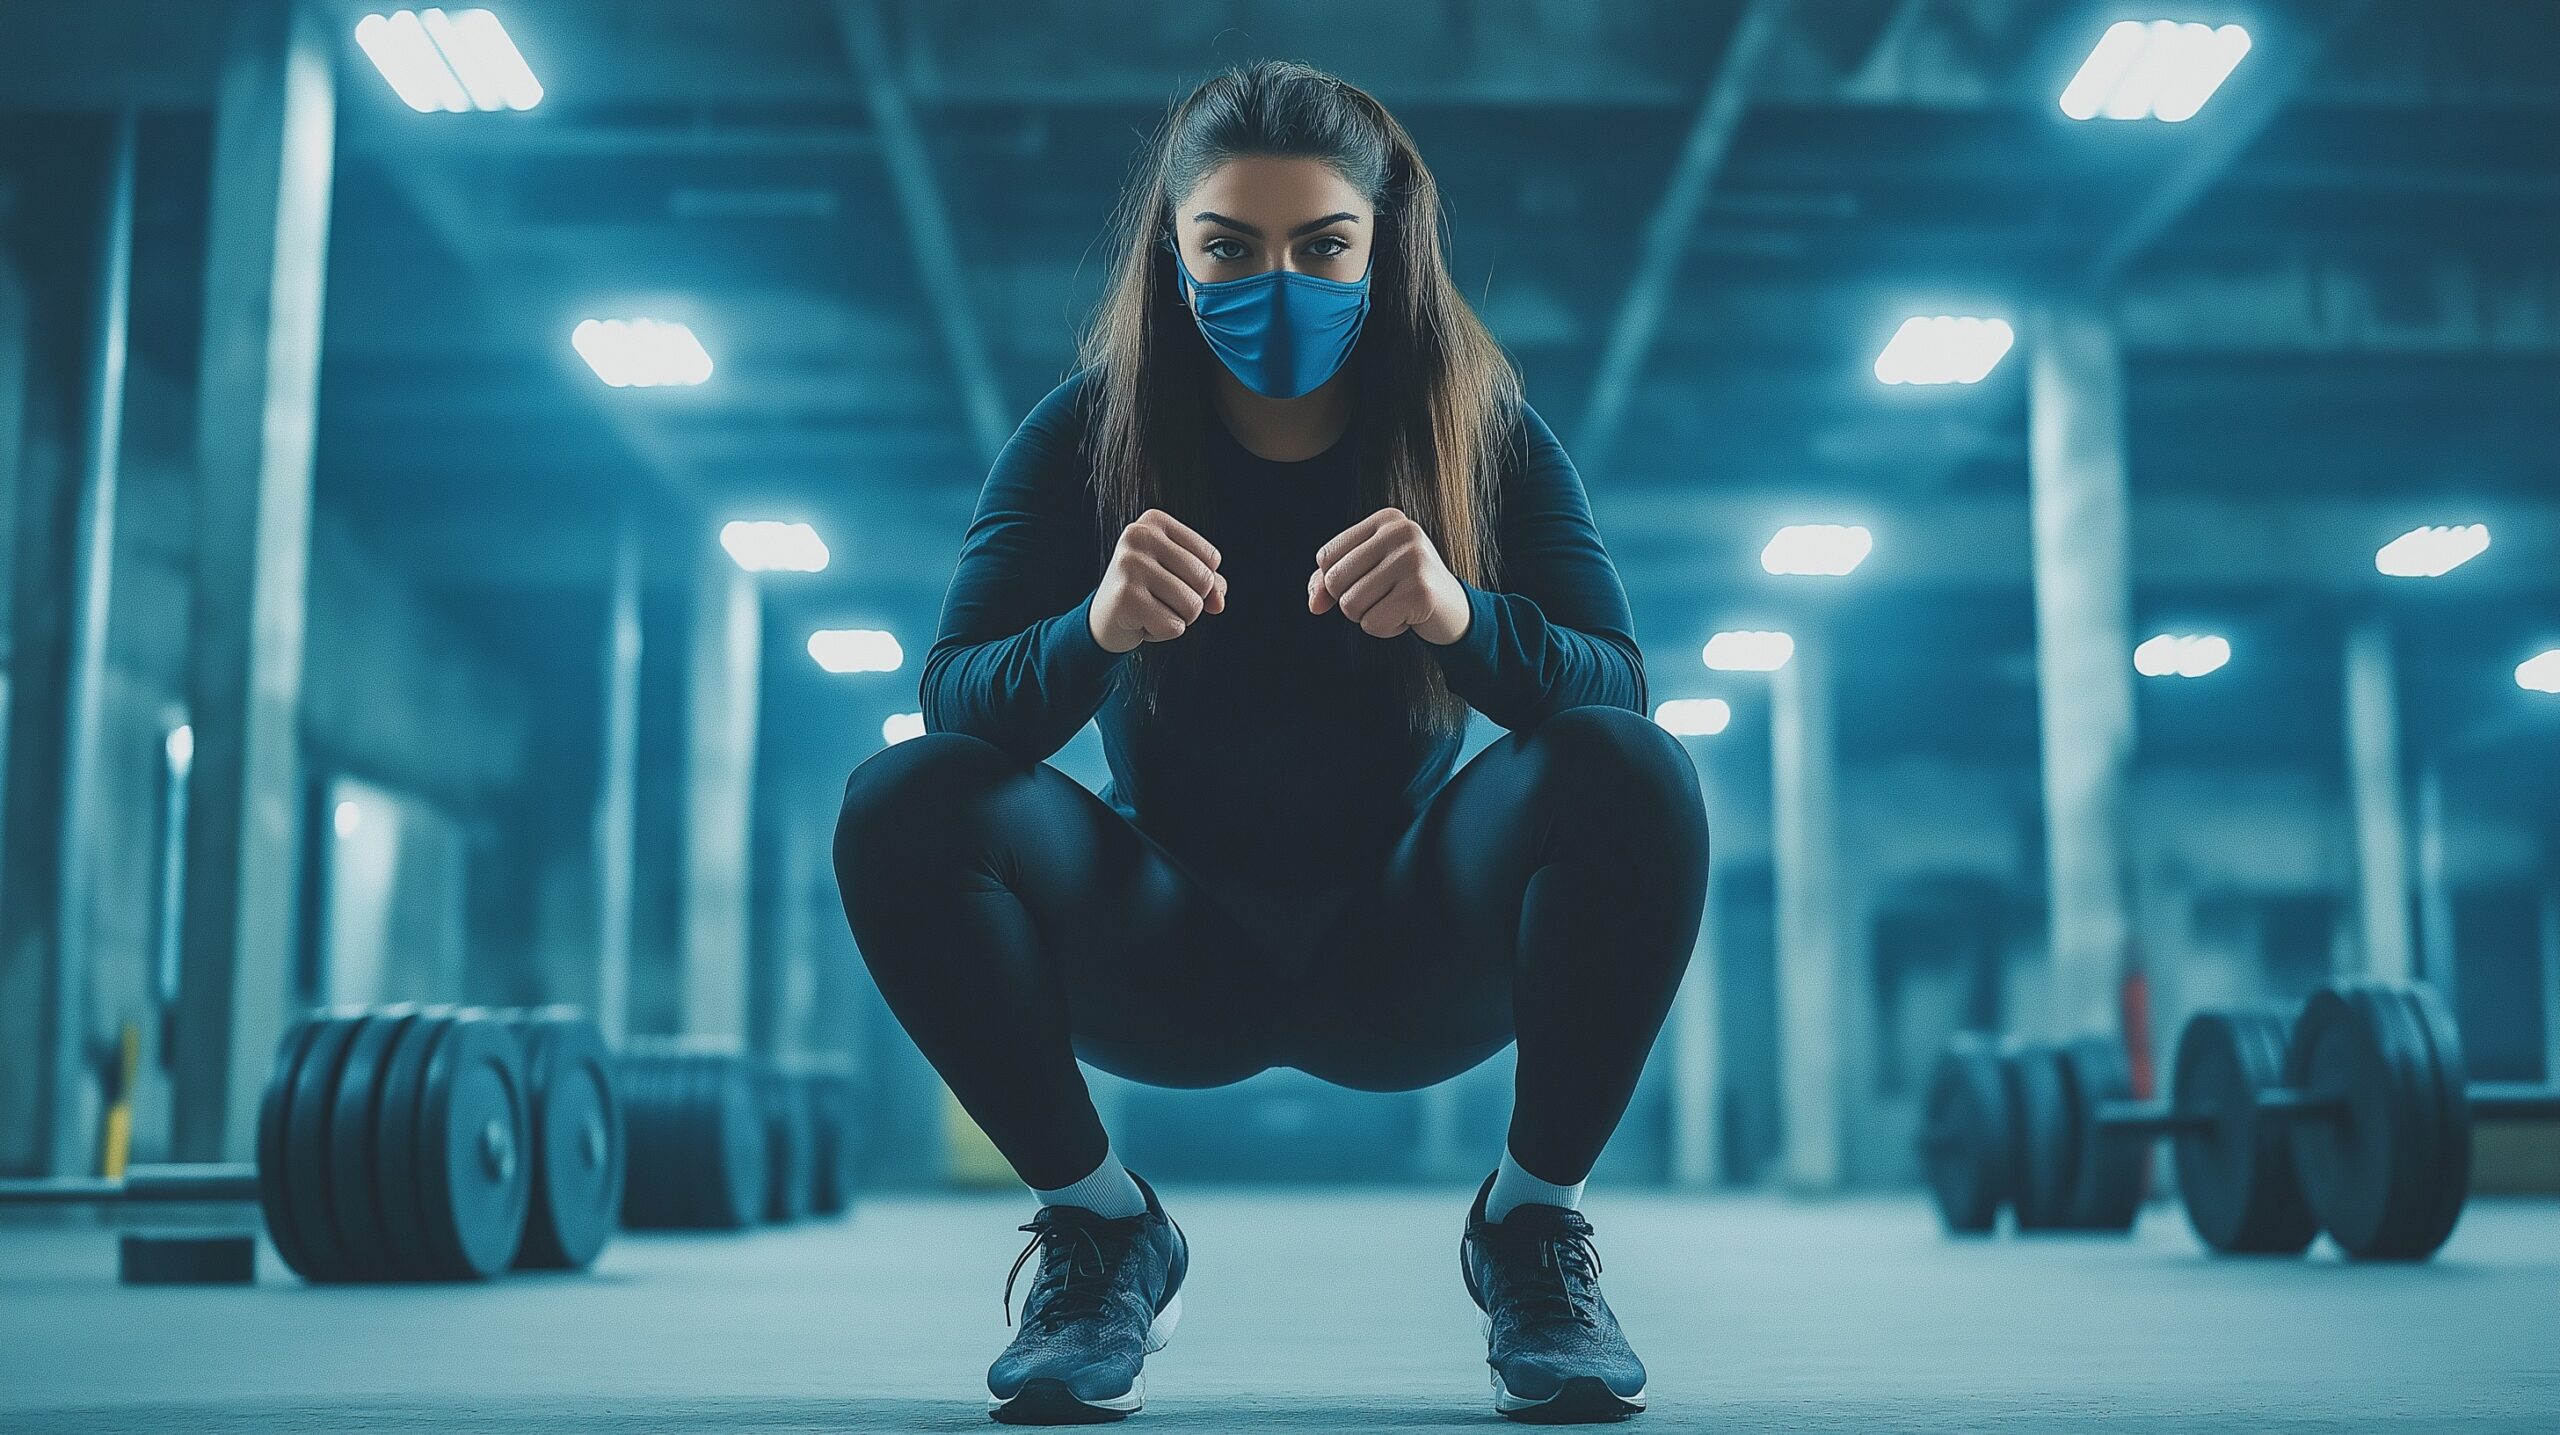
[1437, 397]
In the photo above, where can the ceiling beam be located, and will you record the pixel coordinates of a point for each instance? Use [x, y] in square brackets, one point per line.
[1666, 235]
[447, 213]
[2246, 110]
[928, 220]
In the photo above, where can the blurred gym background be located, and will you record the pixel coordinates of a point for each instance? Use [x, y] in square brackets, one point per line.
[391, 615]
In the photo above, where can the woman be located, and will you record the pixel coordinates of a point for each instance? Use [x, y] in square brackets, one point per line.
[1287, 523]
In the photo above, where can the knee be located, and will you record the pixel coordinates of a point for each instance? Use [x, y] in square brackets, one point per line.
[1620, 757]
[910, 788]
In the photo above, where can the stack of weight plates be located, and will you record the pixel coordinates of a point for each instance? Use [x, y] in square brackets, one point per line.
[393, 1144]
[834, 1157]
[695, 1125]
[790, 1145]
[578, 1158]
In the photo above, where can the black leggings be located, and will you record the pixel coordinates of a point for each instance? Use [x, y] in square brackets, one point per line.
[1549, 891]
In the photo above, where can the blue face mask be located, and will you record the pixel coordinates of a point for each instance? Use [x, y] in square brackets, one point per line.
[1281, 333]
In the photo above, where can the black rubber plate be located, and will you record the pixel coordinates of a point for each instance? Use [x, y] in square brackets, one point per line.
[355, 1200]
[2356, 1168]
[395, 1146]
[473, 1155]
[2236, 1176]
[2113, 1172]
[577, 1190]
[2449, 1176]
[1965, 1135]
[273, 1174]
[2046, 1143]
[306, 1156]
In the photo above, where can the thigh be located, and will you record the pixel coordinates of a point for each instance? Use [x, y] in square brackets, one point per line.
[1412, 981]
[1163, 984]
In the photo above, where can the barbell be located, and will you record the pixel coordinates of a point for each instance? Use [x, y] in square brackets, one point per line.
[2357, 1123]
[413, 1142]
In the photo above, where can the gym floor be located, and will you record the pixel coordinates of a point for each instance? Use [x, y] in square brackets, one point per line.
[1326, 1310]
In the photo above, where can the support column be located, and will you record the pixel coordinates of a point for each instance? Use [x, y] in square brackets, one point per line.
[1813, 991]
[2373, 782]
[92, 585]
[2084, 655]
[266, 262]
[2435, 885]
[62, 572]
[720, 768]
[617, 789]
[26, 486]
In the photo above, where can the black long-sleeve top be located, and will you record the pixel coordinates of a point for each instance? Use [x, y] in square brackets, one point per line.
[1285, 743]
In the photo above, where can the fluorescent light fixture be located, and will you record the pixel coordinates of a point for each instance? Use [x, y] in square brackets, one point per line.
[769, 546]
[2181, 655]
[856, 650]
[347, 819]
[2163, 70]
[1694, 717]
[1748, 652]
[1944, 349]
[641, 353]
[2540, 673]
[449, 62]
[902, 726]
[1818, 550]
[181, 744]
[2432, 552]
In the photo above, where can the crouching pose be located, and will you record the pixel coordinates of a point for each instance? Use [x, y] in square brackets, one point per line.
[1286, 524]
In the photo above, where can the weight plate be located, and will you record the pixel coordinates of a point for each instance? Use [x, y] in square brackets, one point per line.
[306, 1156]
[2236, 1175]
[2355, 1164]
[2040, 1108]
[1965, 1146]
[578, 1132]
[742, 1150]
[395, 1146]
[2418, 1138]
[473, 1174]
[355, 1200]
[788, 1162]
[640, 1079]
[2113, 1172]
[831, 1117]
[2448, 1175]
[273, 1109]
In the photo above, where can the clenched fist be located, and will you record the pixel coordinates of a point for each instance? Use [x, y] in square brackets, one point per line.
[1161, 578]
[1385, 575]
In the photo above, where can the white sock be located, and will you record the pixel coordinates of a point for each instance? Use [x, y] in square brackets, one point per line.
[1106, 1191]
[1515, 1187]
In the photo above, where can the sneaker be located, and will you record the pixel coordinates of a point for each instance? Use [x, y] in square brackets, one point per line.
[1107, 1296]
[1556, 1352]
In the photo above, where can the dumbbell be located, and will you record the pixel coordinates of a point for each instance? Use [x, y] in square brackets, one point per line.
[2359, 1125]
[389, 1147]
[698, 1138]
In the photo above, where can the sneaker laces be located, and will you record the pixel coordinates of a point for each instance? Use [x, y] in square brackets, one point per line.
[1073, 1285]
[1564, 1252]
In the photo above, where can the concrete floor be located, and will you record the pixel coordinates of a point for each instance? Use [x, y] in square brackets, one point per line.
[1326, 1311]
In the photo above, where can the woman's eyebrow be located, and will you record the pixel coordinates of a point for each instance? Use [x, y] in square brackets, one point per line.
[1211, 216]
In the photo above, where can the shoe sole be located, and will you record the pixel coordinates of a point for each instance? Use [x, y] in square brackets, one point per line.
[1583, 1400]
[1050, 1402]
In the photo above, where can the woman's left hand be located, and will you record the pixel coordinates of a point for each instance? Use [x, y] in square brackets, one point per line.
[1385, 574]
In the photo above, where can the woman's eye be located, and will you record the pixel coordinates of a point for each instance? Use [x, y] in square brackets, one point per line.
[1341, 246]
[1224, 249]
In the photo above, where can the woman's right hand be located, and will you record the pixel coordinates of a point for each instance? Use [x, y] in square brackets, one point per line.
[1162, 576]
